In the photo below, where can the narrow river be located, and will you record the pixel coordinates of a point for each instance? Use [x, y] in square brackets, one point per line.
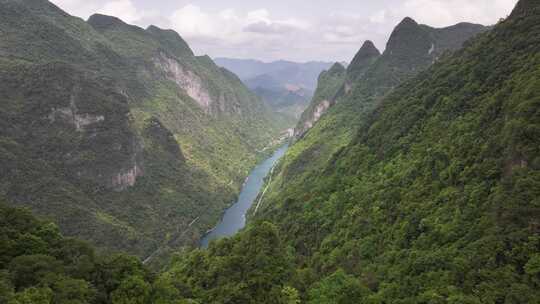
[234, 218]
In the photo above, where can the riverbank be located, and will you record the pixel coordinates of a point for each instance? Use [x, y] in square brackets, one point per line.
[234, 217]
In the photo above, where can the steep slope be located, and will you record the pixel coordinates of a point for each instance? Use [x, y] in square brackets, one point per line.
[410, 49]
[333, 84]
[330, 83]
[120, 134]
[363, 59]
[407, 53]
[434, 200]
[435, 197]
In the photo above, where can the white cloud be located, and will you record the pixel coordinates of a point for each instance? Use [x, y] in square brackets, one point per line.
[81, 8]
[326, 35]
[259, 34]
[192, 21]
[123, 9]
[268, 28]
[448, 12]
[378, 17]
[261, 15]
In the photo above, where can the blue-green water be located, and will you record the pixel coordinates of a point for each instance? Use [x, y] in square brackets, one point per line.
[234, 218]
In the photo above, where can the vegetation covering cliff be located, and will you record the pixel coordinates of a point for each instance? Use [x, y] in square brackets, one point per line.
[330, 83]
[432, 198]
[120, 134]
[435, 197]
[410, 49]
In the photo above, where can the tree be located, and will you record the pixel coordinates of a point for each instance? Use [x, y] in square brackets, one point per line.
[290, 295]
[338, 288]
[72, 291]
[30, 270]
[164, 291]
[132, 290]
[33, 295]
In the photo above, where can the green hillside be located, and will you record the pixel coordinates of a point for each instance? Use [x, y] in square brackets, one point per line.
[330, 84]
[432, 198]
[411, 48]
[435, 198]
[120, 134]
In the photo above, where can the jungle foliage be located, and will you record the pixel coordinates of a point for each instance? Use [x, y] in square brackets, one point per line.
[434, 198]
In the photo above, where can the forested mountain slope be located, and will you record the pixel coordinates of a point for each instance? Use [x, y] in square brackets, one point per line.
[411, 48]
[120, 134]
[434, 199]
[330, 84]
[334, 116]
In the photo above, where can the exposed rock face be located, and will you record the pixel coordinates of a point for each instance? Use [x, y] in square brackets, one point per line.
[79, 121]
[185, 79]
[347, 88]
[320, 109]
[336, 82]
[330, 83]
[72, 116]
[127, 178]
[112, 162]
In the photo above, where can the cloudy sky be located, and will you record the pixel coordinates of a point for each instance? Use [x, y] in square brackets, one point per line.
[299, 30]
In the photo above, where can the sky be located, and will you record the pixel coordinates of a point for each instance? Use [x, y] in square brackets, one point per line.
[297, 30]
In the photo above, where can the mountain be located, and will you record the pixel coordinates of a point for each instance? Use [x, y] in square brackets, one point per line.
[284, 85]
[411, 48]
[330, 83]
[367, 54]
[304, 74]
[431, 195]
[337, 81]
[120, 134]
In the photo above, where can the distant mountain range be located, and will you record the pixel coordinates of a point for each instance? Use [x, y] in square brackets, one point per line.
[284, 85]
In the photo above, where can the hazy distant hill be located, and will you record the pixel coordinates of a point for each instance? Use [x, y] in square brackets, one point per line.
[286, 86]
